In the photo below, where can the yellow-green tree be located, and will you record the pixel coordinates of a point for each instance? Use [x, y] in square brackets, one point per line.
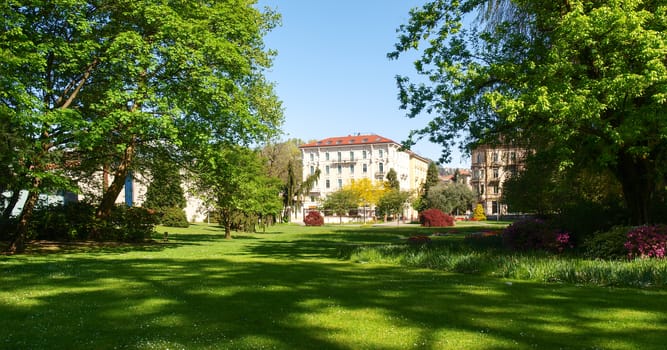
[367, 190]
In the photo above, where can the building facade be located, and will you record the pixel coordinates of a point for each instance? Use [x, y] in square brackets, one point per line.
[491, 165]
[346, 158]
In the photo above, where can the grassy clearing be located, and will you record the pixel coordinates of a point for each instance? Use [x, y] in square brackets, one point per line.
[289, 289]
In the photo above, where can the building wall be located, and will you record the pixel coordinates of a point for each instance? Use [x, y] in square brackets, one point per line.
[343, 159]
[491, 165]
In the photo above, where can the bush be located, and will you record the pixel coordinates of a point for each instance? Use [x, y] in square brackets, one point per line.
[133, 224]
[174, 217]
[435, 218]
[607, 245]
[478, 213]
[314, 218]
[647, 242]
[535, 234]
[71, 221]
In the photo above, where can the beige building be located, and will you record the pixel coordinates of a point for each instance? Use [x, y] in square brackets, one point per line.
[342, 159]
[491, 165]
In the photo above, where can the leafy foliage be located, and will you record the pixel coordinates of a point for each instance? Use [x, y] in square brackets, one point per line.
[313, 218]
[173, 217]
[478, 213]
[584, 81]
[92, 86]
[435, 218]
[393, 202]
[607, 245]
[392, 180]
[450, 198]
[341, 202]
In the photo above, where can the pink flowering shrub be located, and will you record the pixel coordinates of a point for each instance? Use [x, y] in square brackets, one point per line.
[535, 234]
[647, 242]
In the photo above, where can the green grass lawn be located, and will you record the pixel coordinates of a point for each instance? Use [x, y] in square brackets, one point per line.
[289, 289]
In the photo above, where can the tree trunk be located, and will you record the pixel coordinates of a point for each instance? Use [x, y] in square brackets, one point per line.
[637, 180]
[18, 244]
[225, 218]
[111, 193]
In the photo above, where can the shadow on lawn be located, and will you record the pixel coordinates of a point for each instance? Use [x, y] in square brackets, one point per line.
[229, 304]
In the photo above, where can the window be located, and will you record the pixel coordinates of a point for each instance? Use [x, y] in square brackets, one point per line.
[494, 207]
[479, 157]
[352, 169]
[340, 156]
[494, 189]
[481, 188]
[312, 157]
[312, 170]
[364, 168]
[381, 167]
[328, 184]
[327, 169]
[340, 169]
[340, 183]
[495, 157]
[326, 156]
[513, 156]
[495, 173]
[351, 155]
[381, 153]
[363, 154]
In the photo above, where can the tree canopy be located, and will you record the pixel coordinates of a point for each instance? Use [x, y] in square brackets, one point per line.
[585, 79]
[103, 84]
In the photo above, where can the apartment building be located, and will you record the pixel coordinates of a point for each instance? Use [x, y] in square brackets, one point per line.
[344, 158]
[491, 165]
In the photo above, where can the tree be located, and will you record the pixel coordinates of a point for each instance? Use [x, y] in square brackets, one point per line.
[233, 181]
[392, 203]
[432, 179]
[367, 191]
[392, 180]
[450, 198]
[584, 78]
[164, 190]
[341, 202]
[102, 84]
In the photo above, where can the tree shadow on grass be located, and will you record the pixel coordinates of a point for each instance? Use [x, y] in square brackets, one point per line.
[223, 303]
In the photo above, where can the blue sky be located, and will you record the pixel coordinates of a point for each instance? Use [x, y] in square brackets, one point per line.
[332, 72]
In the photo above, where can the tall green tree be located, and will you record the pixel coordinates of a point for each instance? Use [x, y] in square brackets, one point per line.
[233, 181]
[101, 83]
[392, 180]
[164, 190]
[588, 79]
[432, 179]
[392, 203]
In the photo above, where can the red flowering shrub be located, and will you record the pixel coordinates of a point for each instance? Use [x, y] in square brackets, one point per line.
[535, 234]
[435, 218]
[314, 218]
[647, 242]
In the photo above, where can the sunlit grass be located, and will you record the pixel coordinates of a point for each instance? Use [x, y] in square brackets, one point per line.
[289, 288]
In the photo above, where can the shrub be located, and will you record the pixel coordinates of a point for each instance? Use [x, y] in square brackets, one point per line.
[478, 213]
[607, 245]
[435, 218]
[314, 218]
[174, 217]
[647, 242]
[535, 234]
[63, 222]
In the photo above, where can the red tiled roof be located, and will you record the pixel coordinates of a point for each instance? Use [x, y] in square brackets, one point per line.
[348, 140]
